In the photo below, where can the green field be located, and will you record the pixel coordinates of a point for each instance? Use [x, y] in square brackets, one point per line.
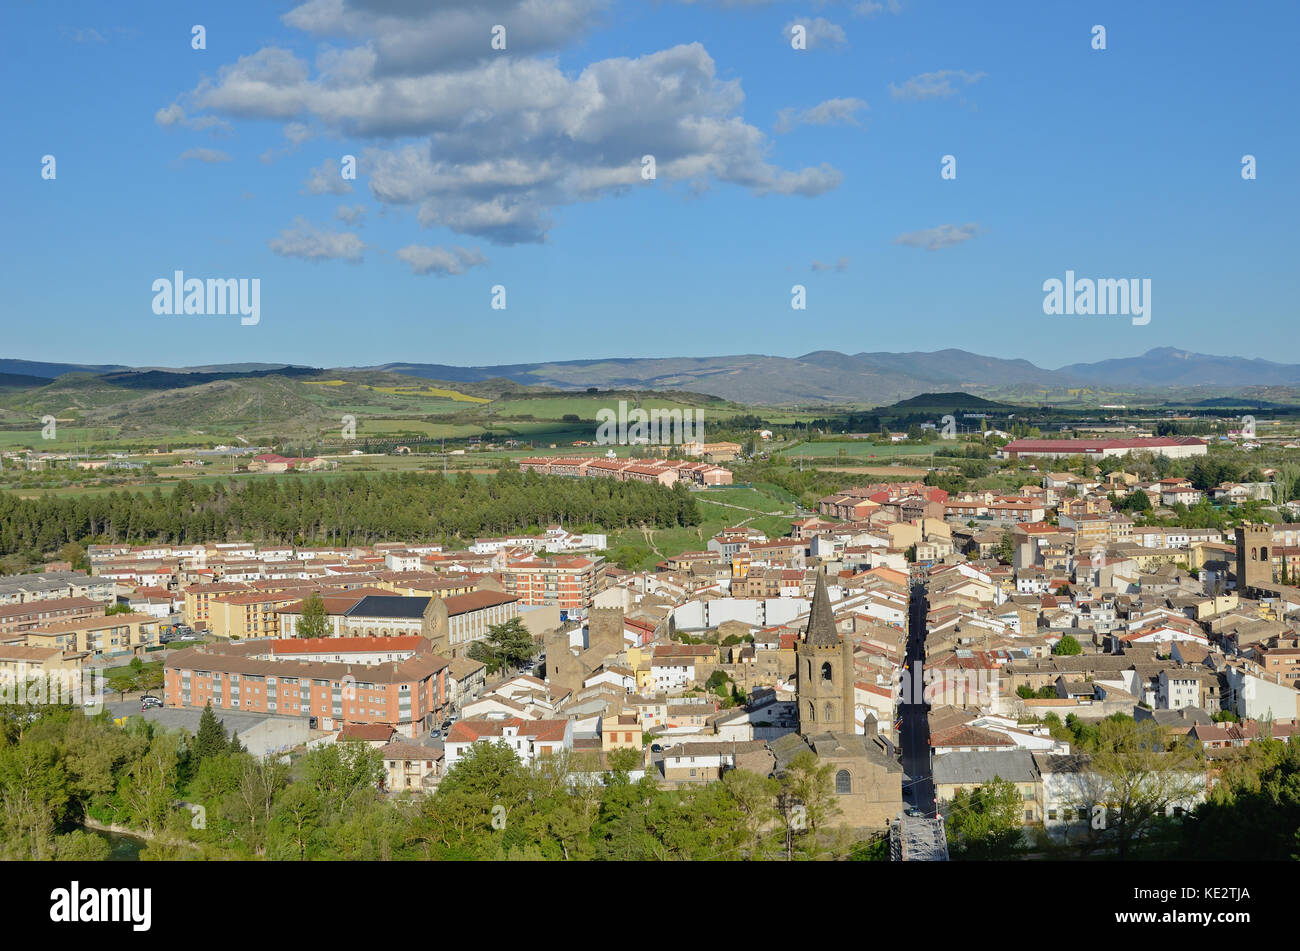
[720, 508]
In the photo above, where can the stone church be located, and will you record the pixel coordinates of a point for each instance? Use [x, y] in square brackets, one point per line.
[868, 780]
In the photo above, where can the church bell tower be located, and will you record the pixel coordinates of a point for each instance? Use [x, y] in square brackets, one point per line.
[825, 671]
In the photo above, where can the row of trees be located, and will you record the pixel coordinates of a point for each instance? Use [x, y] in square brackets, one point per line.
[355, 509]
[203, 796]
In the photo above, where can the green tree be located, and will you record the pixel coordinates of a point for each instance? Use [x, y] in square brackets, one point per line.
[805, 802]
[509, 643]
[1006, 547]
[1141, 775]
[755, 799]
[1136, 501]
[343, 773]
[211, 738]
[151, 678]
[74, 554]
[295, 824]
[1253, 811]
[252, 802]
[149, 786]
[81, 846]
[480, 805]
[984, 823]
[34, 796]
[314, 621]
[1067, 646]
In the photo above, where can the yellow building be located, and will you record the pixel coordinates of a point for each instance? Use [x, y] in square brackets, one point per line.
[248, 615]
[620, 732]
[114, 634]
[18, 660]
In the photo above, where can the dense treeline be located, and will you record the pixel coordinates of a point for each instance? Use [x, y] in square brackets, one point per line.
[355, 509]
[203, 797]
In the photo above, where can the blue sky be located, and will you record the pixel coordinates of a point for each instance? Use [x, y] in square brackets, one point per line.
[521, 168]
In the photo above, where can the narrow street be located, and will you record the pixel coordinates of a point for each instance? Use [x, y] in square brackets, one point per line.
[918, 785]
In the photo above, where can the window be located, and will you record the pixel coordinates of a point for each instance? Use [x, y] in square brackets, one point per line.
[826, 671]
[830, 714]
[843, 783]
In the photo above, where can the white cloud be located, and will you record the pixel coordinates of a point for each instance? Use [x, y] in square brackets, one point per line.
[493, 144]
[298, 133]
[440, 261]
[175, 115]
[936, 85]
[944, 236]
[351, 214]
[829, 112]
[327, 179]
[169, 115]
[311, 243]
[408, 35]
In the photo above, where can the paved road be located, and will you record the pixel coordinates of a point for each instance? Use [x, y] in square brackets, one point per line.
[918, 788]
[186, 718]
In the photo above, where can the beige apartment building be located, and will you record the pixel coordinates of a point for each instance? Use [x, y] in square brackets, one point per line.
[248, 615]
[17, 661]
[115, 634]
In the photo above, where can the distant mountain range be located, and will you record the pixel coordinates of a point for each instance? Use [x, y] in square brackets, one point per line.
[823, 376]
[830, 376]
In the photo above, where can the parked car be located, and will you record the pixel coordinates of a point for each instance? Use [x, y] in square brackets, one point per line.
[149, 703]
[435, 734]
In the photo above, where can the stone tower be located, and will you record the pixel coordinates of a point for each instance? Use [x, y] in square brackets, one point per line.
[825, 671]
[1254, 555]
